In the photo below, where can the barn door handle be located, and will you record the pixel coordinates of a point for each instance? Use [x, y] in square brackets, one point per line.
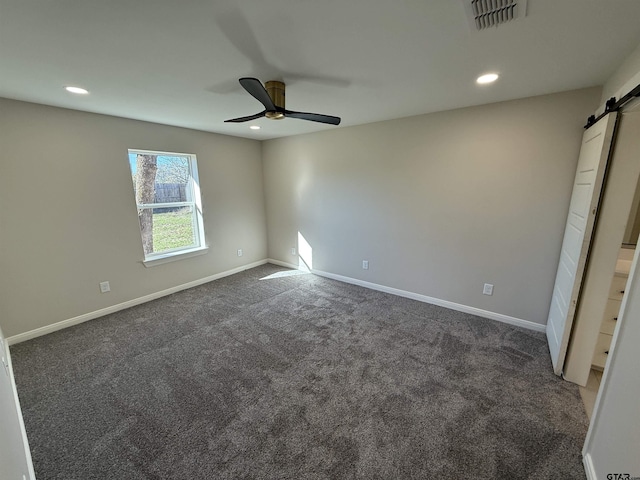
[622, 291]
[615, 318]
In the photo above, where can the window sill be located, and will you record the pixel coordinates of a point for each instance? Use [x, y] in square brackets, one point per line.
[173, 256]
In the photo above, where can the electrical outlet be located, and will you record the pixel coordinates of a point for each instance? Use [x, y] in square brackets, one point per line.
[239, 252]
[293, 250]
[488, 289]
[365, 264]
[105, 287]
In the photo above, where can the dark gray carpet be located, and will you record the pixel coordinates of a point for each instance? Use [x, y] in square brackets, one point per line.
[264, 376]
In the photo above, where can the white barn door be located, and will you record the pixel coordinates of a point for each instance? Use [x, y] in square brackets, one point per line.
[594, 154]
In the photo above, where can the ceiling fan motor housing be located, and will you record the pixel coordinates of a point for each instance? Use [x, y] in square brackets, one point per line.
[275, 90]
[271, 96]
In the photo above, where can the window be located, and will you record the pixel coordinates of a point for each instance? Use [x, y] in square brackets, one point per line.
[167, 195]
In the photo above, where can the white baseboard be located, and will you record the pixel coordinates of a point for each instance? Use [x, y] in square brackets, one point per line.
[589, 469]
[38, 332]
[518, 322]
[284, 264]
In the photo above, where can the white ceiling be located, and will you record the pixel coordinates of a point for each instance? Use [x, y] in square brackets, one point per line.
[177, 62]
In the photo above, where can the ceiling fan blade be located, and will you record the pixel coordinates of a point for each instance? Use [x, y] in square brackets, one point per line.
[255, 88]
[247, 119]
[313, 117]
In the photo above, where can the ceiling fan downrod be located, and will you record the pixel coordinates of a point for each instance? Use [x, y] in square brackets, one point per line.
[275, 90]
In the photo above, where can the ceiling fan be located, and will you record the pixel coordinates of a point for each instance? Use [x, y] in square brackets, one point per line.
[271, 95]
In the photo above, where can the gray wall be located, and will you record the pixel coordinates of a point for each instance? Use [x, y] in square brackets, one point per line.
[623, 80]
[68, 219]
[439, 204]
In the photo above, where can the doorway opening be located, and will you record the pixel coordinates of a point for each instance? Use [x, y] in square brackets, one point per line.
[601, 303]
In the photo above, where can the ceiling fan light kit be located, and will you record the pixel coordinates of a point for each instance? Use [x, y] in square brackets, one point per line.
[272, 96]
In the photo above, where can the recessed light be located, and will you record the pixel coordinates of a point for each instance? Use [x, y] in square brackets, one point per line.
[255, 127]
[77, 90]
[487, 78]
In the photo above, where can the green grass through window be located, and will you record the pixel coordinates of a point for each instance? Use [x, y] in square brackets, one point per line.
[172, 230]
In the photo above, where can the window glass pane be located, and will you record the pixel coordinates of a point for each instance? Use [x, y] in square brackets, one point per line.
[172, 179]
[167, 196]
[160, 178]
[172, 228]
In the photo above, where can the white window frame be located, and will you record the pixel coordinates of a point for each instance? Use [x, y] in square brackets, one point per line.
[193, 193]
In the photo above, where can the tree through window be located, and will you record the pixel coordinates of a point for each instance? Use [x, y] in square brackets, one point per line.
[168, 200]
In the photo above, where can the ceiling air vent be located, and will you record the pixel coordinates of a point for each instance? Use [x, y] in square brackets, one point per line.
[485, 14]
